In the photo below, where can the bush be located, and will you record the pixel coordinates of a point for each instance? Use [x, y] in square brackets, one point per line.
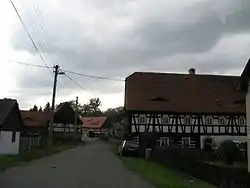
[229, 152]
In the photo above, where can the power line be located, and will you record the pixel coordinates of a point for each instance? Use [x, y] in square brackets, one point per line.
[75, 82]
[90, 76]
[26, 30]
[33, 65]
[66, 71]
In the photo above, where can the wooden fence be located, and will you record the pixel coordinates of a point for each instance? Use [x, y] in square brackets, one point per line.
[32, 142]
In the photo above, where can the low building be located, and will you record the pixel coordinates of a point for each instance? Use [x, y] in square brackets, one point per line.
[11, 126]
[66, 124]
[36, 123]
[96, 124]
[193, 110]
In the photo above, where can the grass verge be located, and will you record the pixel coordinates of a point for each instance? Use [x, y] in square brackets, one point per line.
[24, 157]
[161, 176]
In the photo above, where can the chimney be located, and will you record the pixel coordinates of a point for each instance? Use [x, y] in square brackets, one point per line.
[191, 71]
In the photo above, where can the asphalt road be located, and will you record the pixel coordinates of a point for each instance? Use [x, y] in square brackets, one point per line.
[89, 166]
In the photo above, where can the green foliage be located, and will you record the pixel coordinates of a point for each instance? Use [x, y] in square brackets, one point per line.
[115, 114]
[229, 152]
[34, 109]
[161, 176]
[92, 108]
[40, 109]
[47, 107]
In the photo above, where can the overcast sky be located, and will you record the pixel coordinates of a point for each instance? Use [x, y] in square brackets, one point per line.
[114, 38]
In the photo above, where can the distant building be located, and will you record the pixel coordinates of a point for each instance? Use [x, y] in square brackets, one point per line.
[36, 123]
[193, 110]
[11, 126]
[96, 124]
[64, 123]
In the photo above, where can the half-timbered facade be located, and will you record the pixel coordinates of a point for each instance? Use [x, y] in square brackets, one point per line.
[245, 87]
[185, 108]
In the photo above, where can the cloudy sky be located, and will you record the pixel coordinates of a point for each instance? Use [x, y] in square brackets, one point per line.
[114, 38]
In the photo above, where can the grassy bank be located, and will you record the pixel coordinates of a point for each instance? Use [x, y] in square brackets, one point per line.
[24, 157]
[161, 176]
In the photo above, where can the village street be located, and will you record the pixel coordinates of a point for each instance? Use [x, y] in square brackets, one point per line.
[89, 166]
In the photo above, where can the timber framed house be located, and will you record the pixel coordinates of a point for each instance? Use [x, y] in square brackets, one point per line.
[185, 108]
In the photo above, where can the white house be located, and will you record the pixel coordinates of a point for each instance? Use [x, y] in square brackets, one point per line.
[10, 127]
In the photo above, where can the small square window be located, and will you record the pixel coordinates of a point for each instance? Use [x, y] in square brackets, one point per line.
[13, 139]
[188, 120]
[142, 120]
[165, 120]
[242, 121]
[209, 120]
[222, 121]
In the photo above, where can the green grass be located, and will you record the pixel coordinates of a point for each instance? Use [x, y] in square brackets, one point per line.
[161, 176]
[24, 157]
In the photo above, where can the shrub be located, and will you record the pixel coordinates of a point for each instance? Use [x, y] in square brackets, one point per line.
[229, 152]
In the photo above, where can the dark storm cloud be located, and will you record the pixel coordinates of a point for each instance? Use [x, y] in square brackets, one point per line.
[199, 31]
[107, 39]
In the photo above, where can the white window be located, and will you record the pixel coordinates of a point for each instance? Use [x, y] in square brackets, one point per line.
[163, 141]
[185, 142]
[222, 121]
[209, 120]
[242, 121]
[165, 120]
[188, 120]
[142, 119]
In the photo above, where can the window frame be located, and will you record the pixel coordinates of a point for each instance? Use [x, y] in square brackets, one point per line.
[209, 120]
[142, 117]
[13, 137]
[241, 118]
[163, 120]
[222, 118]
[188, 120]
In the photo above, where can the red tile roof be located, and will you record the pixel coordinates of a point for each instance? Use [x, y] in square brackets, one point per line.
[93, 122]
[35, 119]
[183, 93]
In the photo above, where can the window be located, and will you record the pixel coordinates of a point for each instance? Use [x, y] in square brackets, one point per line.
[163, 141]
[185, 142]
[165, 120]
[13, 139]
[142, 119]
[188, 120]
[242, 121]
[222, 121]
[209, 120]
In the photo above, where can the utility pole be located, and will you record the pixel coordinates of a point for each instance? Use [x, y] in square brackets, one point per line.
[56, 72]
[76, 115]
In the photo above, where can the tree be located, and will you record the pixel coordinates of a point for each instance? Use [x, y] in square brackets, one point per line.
[40, 109]
[94, 104]
[115, 114]
[89, 109]
[47, 107]
[34, 109]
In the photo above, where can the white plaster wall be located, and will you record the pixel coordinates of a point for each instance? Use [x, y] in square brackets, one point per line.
[7, 147]
[218, 139]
